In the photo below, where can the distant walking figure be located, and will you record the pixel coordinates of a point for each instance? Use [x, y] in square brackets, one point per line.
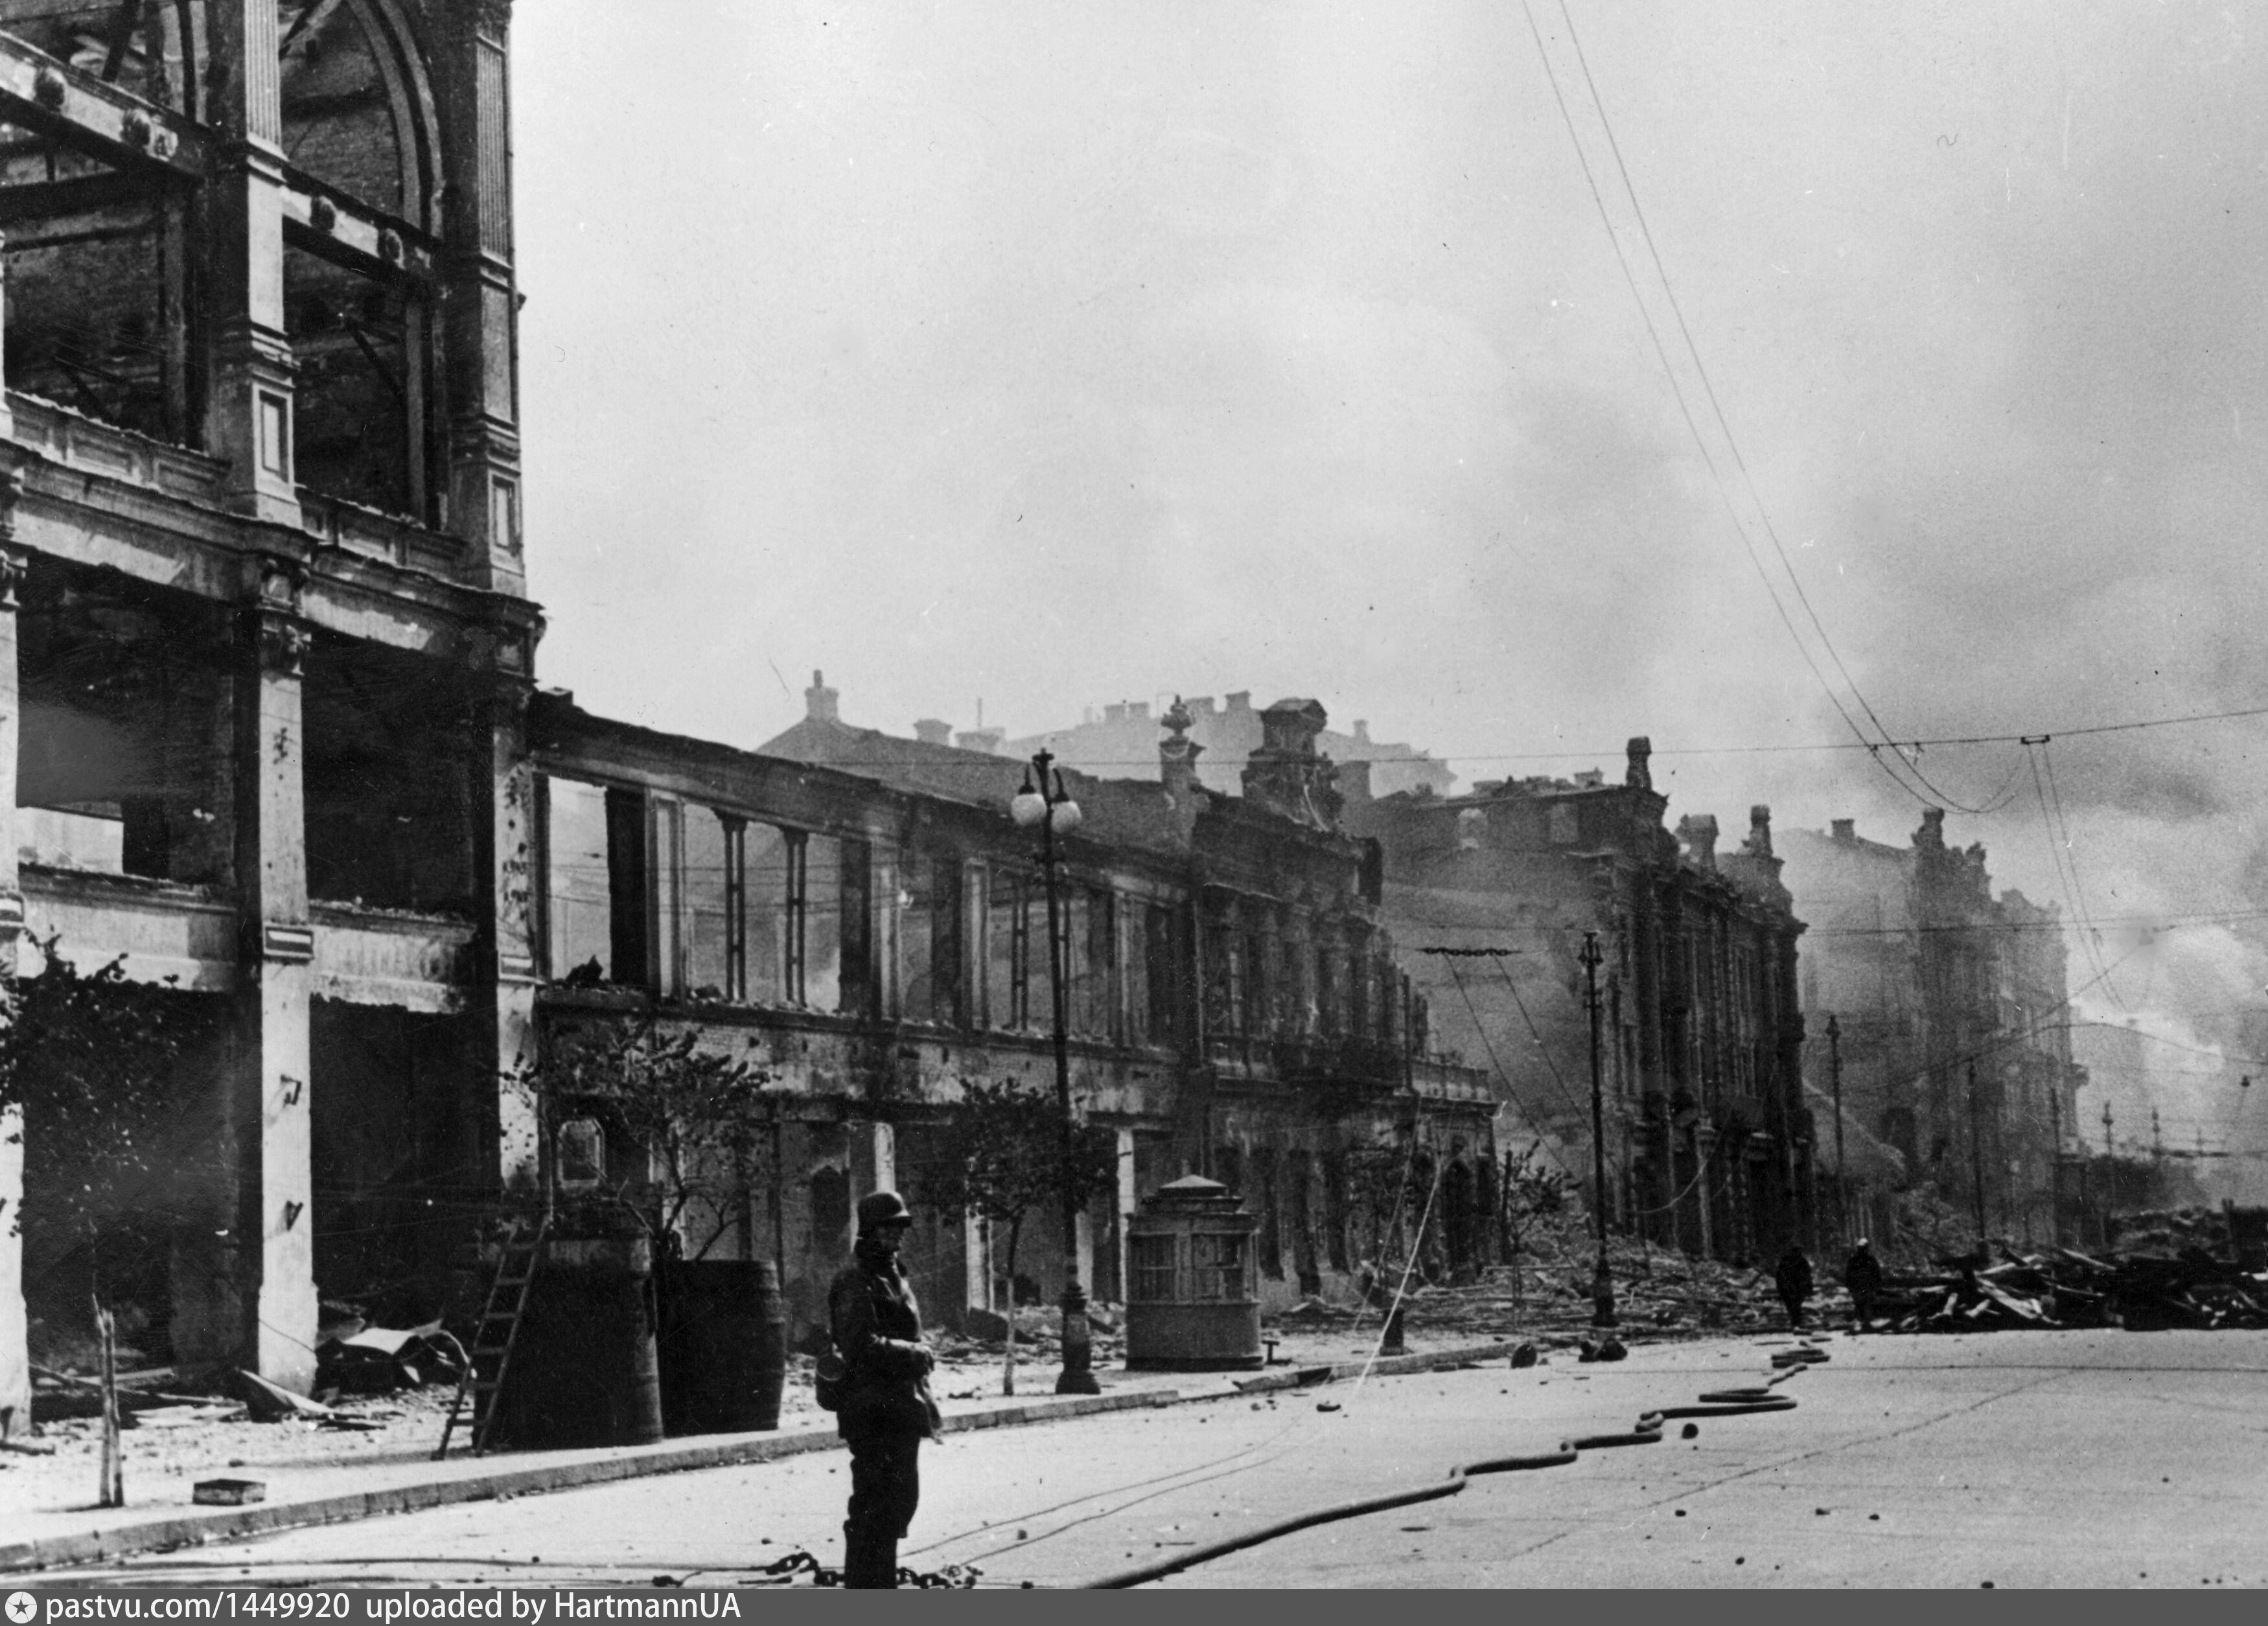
[881, 1398]
[1862, 1274]
[1793, 1277]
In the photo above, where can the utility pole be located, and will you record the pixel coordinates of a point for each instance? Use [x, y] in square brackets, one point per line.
[2055, 1164]
[1976, 1152]
[1835, 1072]
[2109, 1150]
[1602, 1276]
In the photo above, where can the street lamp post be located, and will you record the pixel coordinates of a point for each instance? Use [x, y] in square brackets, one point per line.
[1602, 1276]
[1834, 1073]
[1051, 808]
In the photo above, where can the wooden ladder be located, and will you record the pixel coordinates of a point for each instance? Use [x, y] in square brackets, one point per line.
[489, 1362]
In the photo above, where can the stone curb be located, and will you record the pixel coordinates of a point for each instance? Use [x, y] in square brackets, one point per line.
[190, 1529]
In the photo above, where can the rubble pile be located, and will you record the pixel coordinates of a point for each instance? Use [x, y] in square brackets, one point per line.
[1546, 1290]
[2142, 1291]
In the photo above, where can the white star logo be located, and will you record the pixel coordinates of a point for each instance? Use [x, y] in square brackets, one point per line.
[22, 1607]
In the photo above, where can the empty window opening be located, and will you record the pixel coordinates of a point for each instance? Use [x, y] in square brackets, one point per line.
[94, 263]
[122, 754]
[347, 121]
[578, 917]
[928, 938]
[1008, 953]
[392, 742]
[359, 409]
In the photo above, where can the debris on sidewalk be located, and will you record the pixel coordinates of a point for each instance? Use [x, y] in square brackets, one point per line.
[228, 1492]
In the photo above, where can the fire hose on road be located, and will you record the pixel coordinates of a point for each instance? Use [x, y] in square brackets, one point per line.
[1716, 1403]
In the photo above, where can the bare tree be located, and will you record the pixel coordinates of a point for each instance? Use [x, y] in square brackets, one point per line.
[691, 1112]
[1001, 1157]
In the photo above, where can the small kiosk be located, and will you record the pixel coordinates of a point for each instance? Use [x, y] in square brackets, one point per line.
[1193, 1286]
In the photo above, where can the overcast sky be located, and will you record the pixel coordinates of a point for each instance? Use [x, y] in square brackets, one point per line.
[1054, 353]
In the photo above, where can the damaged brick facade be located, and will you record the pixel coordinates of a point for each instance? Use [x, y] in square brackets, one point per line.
[1951, 1006]
[264, 646]
[1709, 1143]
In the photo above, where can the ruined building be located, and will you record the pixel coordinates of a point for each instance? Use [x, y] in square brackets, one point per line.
[1488, 896]
[1236, 1009]
[1952, 1012]
[266, 646]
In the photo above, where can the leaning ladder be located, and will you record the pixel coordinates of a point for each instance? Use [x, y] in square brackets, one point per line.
[490, 1360]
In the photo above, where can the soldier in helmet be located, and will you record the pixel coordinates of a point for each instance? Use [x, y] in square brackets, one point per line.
[884, 1410]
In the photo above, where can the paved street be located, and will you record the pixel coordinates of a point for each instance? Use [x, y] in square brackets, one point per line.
[2020, 1459]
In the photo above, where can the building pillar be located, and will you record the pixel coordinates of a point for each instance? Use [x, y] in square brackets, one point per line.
[503, 1039]
[473, 75]
[1705, 1146]
[248, 406]
[885, 1157]
[1129, 1205]
[15, 1330]
[259, 1309]
[976, 1261]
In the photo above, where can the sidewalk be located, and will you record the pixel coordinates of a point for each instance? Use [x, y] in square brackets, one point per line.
[58, 1527]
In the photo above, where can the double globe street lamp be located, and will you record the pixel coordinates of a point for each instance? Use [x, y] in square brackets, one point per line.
[1051, 810]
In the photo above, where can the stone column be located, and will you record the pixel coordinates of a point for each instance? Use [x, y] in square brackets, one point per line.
[263, 1310]
[502, 1035]
[1129, 1204]
[249, 407]
[474, 74]
[885, 1157]
[15, 1355]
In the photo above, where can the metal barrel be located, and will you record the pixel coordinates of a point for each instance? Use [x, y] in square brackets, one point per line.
[586, 1369]
[724, 1346]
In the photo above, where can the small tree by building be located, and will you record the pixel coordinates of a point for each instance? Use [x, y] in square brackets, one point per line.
[89, 1064]
[999, 1156]
[1534, 1188]
[691, 1113]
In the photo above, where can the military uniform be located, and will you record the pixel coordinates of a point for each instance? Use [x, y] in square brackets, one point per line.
[886, 1409]
[1863, 1276]
[1793, 1277]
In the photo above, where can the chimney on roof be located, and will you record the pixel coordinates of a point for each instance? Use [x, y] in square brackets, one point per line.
[1759, 843]
[988, 740]
[1241, 701]
[1362, 731]
[1114, 713]
[1932, 834]
[1845, 830]
[1354, 781]
[1138, 710]
[1177, 756]
[1590, 778]
[1284, 773]
[933, 731]
[821, 704]
[1699, 832]
[1637, 775]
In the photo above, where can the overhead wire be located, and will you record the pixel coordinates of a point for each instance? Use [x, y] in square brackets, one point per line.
[1909, 768]
[1685, 410]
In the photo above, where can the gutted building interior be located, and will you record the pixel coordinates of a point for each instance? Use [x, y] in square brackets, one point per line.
[264, 643]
